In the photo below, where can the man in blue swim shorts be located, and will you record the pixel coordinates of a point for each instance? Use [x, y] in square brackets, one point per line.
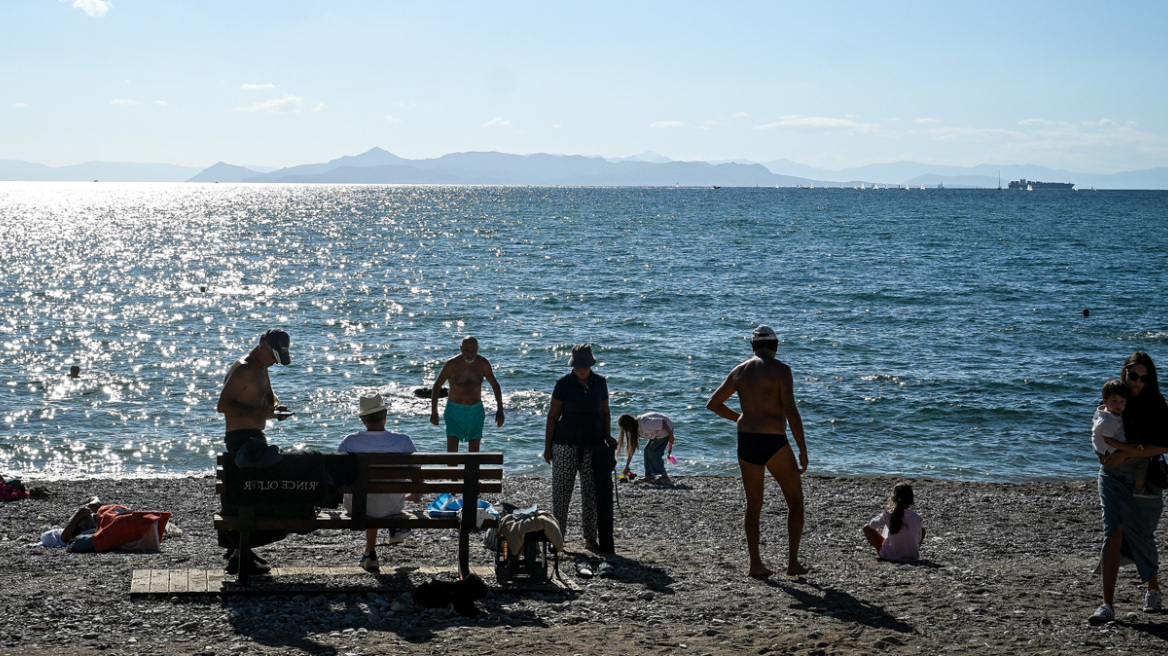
[765, 389]
[464, 408]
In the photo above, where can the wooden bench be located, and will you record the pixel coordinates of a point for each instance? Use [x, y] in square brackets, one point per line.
[468, 475]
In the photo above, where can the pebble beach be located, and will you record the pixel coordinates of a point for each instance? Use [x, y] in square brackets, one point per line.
[1006, 568]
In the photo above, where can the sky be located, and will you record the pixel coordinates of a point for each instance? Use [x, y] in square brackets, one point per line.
[1072, 85]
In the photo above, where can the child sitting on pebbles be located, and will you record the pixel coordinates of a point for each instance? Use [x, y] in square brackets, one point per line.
[897, 533]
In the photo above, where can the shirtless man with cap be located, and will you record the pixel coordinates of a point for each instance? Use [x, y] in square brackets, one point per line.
[765, 389]
[464, 408]
[247, 400]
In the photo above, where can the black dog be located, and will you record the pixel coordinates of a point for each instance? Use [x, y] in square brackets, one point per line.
[459, 595]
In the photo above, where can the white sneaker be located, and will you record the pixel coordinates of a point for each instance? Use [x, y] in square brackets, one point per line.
[369, 563]
[1152, 601]
[1102, 615]
[398, 535]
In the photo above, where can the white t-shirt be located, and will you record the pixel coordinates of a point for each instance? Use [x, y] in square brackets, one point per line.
[378, 505]
[903, 545]
[654, 426]
[1105, 424]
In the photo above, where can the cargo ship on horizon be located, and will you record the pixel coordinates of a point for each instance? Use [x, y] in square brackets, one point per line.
[1032, 185]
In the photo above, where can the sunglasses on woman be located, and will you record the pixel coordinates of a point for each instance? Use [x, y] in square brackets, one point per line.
[1135, 378]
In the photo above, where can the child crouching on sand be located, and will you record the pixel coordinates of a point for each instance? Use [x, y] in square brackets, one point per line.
[897, 533]
[658, 430]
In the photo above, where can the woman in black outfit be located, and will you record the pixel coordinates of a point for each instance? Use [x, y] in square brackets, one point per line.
[578, 441]
[1129, 523]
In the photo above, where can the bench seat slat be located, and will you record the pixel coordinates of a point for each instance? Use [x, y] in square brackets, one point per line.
[437, 487]
[342, 520]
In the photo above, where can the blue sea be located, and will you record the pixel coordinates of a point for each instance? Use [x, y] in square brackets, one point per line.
[933, 333]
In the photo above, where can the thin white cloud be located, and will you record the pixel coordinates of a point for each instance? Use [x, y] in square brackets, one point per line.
[288, 103]
[665, 125]
[392, 119]
[817, 122]
[739, 115]
[1104, 132]
[19, 105]
[251, 86]
[95, 8]
[319, 108]
[124, 101]
[1036, 121]
[556, 126]
[970, 134]
[498, 122]
[707, 125]
[161, 103]
[927, 121]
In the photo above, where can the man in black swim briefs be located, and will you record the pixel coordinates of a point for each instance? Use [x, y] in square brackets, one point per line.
[759, 448]
[247, 402]
[765, 389]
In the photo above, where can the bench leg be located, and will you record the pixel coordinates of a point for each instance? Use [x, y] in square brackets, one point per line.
[470, 511]
[247, 517]
[244, 564]
[463, 554]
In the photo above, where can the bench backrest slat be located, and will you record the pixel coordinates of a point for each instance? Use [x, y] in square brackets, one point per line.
[397, 487]
[419, 458]
[431, 473]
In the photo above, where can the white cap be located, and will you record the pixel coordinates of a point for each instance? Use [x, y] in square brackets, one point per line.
[763, 333]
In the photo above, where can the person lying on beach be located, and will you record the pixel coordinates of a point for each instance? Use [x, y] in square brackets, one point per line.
[765, 389]
[897, 533]
[658, 430]
[78, 533]
[375, 439]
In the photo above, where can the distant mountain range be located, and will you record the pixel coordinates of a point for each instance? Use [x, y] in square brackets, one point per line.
[378, 166]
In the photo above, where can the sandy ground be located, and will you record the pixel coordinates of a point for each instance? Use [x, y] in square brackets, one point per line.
[1007, 569]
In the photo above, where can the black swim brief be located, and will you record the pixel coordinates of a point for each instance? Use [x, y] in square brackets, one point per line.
[759, 448]
[237, 438]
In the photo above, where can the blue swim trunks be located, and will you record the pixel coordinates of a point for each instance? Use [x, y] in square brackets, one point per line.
[465, 421]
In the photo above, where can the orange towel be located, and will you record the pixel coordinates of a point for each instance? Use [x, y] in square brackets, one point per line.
[118, 525]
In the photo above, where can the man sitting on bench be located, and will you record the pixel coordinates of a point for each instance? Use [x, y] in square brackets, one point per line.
[375, 439]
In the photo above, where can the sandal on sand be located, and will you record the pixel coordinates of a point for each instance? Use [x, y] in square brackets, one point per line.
[584, 570]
